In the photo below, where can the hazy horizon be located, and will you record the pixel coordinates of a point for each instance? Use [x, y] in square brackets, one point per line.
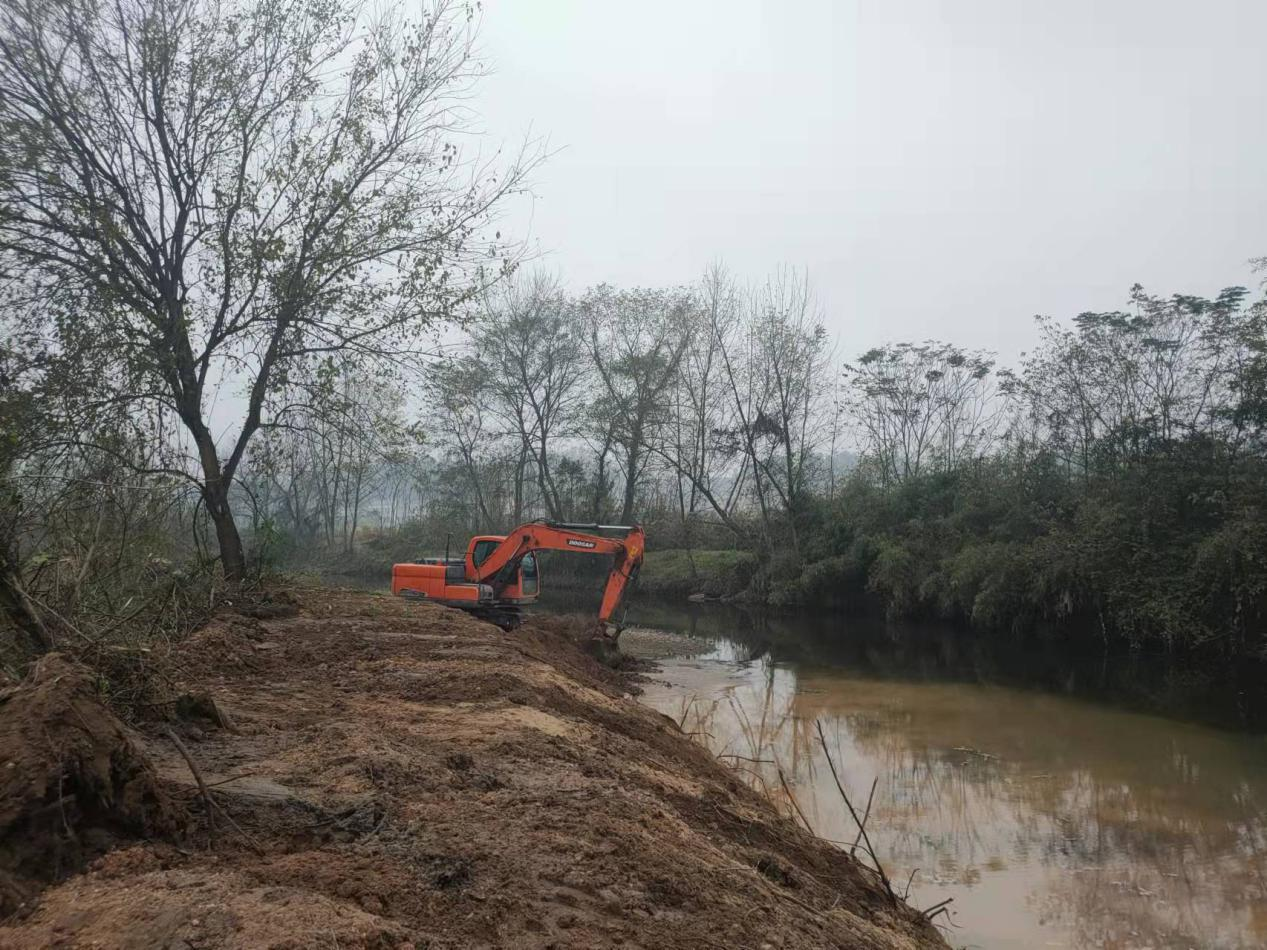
[941, 170]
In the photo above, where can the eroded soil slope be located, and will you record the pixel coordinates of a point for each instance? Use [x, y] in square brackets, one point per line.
[399, 775]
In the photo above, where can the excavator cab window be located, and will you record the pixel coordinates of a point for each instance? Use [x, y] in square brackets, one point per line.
[481, 551]
[531, 579]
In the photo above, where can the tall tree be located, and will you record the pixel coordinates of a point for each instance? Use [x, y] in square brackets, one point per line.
[637, 341]
[527, 343]
[241, 185]
[921, 406]
[789, 357]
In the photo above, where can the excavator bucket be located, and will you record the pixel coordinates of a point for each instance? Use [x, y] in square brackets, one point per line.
[603, 643]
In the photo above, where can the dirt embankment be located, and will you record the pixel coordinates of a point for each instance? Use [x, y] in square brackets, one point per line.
[393, 775]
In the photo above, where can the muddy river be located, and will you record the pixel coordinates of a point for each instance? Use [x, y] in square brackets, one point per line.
[1051, 816]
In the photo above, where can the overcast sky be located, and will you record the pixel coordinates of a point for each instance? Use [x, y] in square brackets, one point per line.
[942, 169]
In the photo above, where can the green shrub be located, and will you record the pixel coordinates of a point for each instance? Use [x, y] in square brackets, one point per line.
[831, 582]
[680, 573]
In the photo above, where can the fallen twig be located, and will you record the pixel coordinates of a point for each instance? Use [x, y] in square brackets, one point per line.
[780, 891]
[197, 774]
[231, 778]
[212, 805]
[792, 798]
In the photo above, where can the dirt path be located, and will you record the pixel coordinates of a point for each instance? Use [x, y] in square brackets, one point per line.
[400, 775]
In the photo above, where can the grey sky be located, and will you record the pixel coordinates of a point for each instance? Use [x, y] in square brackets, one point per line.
[942, 169]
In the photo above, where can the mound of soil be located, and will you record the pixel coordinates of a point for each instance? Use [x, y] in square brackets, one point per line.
[566, 641]
[228, 643]
[72, 781]
[404, 776]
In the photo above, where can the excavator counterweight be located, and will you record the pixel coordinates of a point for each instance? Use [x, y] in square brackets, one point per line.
[500, 574]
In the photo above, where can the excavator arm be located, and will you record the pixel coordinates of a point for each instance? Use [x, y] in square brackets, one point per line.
[502, 563]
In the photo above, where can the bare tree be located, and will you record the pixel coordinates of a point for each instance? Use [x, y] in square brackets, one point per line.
[637, 340]
[705, 476]
[789, 358]
[531, 359]
[458, 389]
[314, 475]
[598, 430]
[922, 407]
[241, 186]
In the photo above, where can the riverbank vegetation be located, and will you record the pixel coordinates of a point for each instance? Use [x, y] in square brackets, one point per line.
[1115, 479]
[1111, 483]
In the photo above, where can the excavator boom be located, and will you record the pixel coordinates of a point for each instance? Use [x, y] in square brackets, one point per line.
[491, 580]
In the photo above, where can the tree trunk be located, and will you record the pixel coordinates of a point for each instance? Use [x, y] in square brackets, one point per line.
[356, 510]
[232, 554]
[521, 463]
[633, 458]
[15, 605]
[631, 488]
[545, 482]
[600, 477]
[215, 493]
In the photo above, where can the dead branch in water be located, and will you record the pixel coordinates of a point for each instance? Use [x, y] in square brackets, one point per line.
[970, 751]
[939, 908]
[686, 711]
[862, 828]
[910, 880]
[866, 813]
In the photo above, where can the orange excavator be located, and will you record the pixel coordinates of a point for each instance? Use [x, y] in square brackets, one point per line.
[500, 575]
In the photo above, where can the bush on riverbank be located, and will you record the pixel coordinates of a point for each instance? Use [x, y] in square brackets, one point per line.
[1114, 482]
[681, 573]
[1172, 556]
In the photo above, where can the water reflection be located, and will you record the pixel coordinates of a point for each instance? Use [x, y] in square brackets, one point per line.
[1052, 821]
[1230, 694]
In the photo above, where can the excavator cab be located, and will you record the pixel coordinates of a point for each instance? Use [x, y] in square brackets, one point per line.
[501, 574]
[480, 548]
[529, 577]
[522, 585]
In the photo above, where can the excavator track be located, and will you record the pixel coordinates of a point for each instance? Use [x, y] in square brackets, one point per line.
[505, 616]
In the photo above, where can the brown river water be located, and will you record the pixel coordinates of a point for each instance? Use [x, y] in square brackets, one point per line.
[1051, 817]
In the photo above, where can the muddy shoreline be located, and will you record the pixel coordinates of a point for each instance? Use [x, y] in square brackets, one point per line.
[399, 775]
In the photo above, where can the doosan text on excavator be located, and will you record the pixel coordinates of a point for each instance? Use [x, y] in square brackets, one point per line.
[500, 575]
